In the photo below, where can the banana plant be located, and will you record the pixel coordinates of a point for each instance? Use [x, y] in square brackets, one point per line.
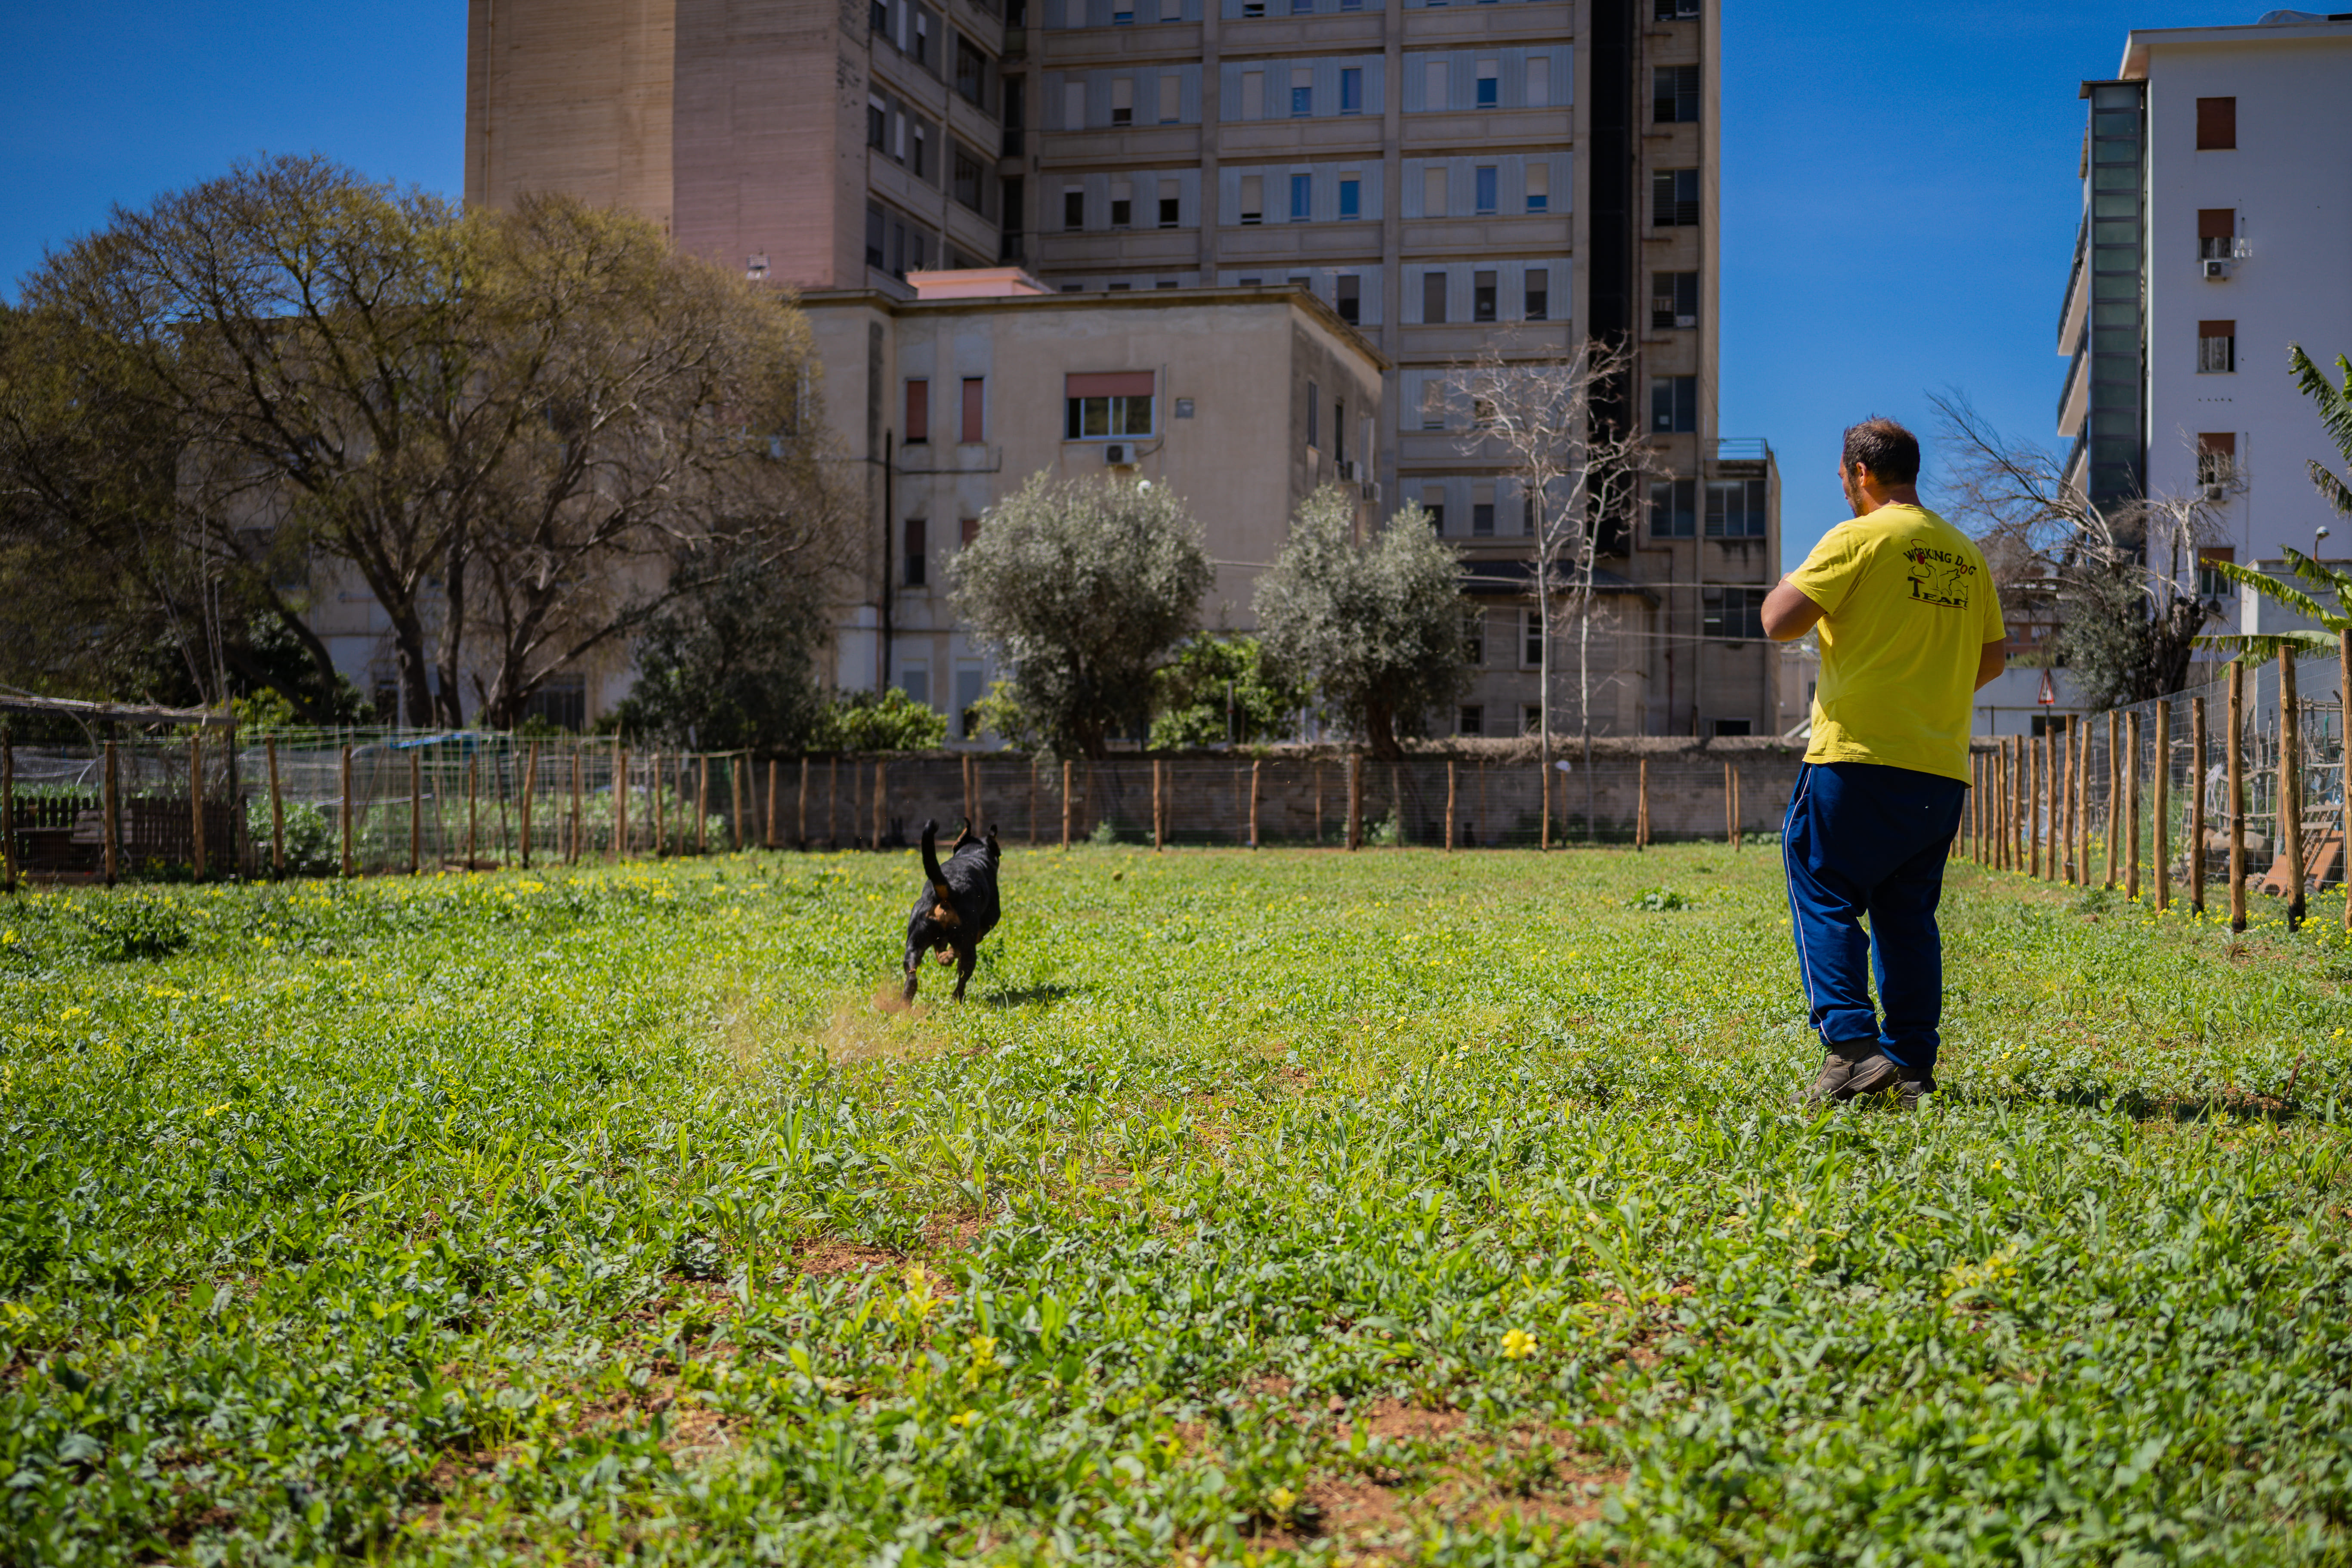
[2337, 623]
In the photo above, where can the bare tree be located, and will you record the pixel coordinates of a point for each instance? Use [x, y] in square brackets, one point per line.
[1579, 478]
[2125, 572]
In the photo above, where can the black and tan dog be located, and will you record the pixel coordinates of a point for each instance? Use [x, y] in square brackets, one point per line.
[958, 906]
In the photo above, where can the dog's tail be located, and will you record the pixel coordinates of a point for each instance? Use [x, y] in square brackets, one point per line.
[939, 888]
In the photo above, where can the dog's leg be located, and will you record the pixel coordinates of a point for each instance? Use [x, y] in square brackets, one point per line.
[965, 958]
[914, 969]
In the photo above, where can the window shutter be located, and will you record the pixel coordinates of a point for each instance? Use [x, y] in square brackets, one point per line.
[2218, 443]
[1073, 106]
[2217, 124]
[1539, 81]
[974, 403]
[1109, 383]
[2217, 329]
[1171, 89]
[2217, 223]
[1254, 95]
[1433, 192]
[918, 411]
[1433, 85]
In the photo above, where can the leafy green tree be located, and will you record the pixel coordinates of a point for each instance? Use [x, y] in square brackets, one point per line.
[893, 721]
[1081, 588]
[731, 666]
[1218, 689]
[1375, 627]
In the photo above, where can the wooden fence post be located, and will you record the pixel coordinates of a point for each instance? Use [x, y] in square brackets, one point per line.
[415, 811]
[832, 800]
[112, 806]
[1256, 787]
[1999, 761]
[579, 788]
[196, 802]
[1642, 805]
[350, 867]
[800, 821]
[1450, 795]
[473, 807]
[1543, 792]
[2131, 806]
[1318, 802]
[7, 810]
[2237, 786]
[1158, 816]
[2062, 810]
[2019, 802]
[620, 803]
[1066, 806]
[702, 805]
[2197, 806]
[735, 768]
[2160, 839]
[1356, 802]
[1033, 800]
[2034, 790]
[2115, 793]
[661, 805]
[881, 793]
[2050, 798]
[277, 809]
[2290, 788]
[970, 794]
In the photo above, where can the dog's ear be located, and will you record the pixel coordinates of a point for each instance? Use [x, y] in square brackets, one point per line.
[995, 850]
[963, 834]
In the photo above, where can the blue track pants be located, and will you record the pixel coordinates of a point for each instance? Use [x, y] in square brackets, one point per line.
[1865, 839]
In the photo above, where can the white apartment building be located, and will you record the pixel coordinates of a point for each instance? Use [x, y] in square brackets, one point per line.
[2217, 230]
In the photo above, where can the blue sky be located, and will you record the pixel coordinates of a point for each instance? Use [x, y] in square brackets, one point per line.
[1899, 196]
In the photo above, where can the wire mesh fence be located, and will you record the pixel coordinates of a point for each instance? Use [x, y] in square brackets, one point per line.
[366, 804]
[2202, 798]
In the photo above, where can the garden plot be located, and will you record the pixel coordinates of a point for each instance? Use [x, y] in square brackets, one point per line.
[1305, 1207]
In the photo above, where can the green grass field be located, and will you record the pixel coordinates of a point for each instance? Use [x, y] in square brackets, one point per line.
[1391, 1208]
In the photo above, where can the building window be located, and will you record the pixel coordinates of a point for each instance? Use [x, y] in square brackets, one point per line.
[1252, 199]
[1482, 512]
[1531, 718]
[1674, 509]
[1433, 406]
[1486, 186]
[878, 124]
[2217, 456]
[1471, 721]
[1728, 727]
[1122, 100]
[1168, 209]
[1073, 106]
[1073, 207]
[970, 681]
[560, 700]
[1302, 197]
[2217, 124]
[1347, 298]
[1106, 406]
[967, 529]
[1433, 297]
[915, 681]
[1735, 509]
[919, 163]
[975, 408]
[1530, 638]
[1314, 416]
[1254, 95]
[1676, 10]
[1474, 641]
[1171, 98]
[1490, 84]
[2217, 347]
[1433, 503]
[1433, 84]
[2211, 584]
[1673, 300]
[1674, 199]
[971, 72]
[1673, 404]
[1122, 204]
[1351, 198]
[1481, 295]
[1733, 613]
[2216, 227]
[877, 18]
[1539, 186]
[1253, 9]
[1538, 292]
[969, 178]
[1674, 95]
[917, 535]
[1434, 200]
[1351, 91]
[1539, 81]
[1302, 92]
[918, 412]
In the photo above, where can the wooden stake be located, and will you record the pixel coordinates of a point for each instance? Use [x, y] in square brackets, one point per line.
[112, 804]
[1356, 802]
[768, 840]
[277, 809]
[2197, 806]
[1450, 789]
[7, 811]
[196, 803]
[970, 794]
[1642, 805]
[2237, 804]
[661, 805]
[881, 793]
[2036, 787]
[799, 820]
[1396, 803]
[1730, 822]
[1033, 801]
[1543, 792]
[1067, 803]
[2131, 806]
[579, 789]
[2115, 793]
[2160, 839]
[529, 788]
[620, 804]
[1318, 803]
[473, 807]
[735, 768]
[1158, 818]
[349, 867]
[1256, 788]
[832, 800]
[1735, 812]
[2290, 787]
[2062, 820]
[703, 806]
[979, 800]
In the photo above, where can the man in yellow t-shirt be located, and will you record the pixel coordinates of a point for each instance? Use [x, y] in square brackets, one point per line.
[1910, 628]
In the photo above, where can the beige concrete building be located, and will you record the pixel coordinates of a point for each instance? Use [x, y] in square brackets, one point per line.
[1435, 174]
[1243, 402]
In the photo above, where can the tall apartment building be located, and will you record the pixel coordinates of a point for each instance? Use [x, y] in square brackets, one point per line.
[2217, 221]
[1441, 175]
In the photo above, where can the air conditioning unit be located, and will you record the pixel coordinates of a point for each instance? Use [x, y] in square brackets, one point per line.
[1119, 453]
[2216, 269]
[1352, 472]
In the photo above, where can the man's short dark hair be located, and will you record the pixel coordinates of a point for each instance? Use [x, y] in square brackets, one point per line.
[1888, 451]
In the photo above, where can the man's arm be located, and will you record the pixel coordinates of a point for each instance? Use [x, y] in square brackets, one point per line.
[1990, 661]
[1788, 613]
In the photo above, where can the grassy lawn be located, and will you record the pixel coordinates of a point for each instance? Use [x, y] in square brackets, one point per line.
[1295, 1206]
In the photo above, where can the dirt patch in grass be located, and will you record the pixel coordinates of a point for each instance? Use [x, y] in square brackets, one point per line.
[826, 1256]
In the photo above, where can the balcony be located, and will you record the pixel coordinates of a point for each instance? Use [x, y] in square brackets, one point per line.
[2070, 317]
[2071, 403]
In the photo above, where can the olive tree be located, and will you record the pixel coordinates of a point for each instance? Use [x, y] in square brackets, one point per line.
[1374, 627]
[1081, 588]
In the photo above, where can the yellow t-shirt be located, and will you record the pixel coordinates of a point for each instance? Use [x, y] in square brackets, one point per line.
[1907, 608]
